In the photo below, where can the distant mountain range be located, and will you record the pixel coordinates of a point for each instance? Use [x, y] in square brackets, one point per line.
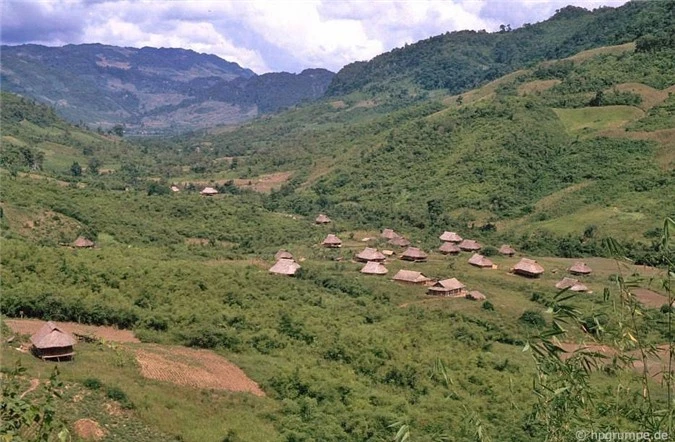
[151, 90]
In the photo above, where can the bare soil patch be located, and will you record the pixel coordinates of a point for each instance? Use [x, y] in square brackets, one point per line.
[193, 368]
[537, 86]
[89, 429]
[30, 326]
[339, 104]
[650, 96]
[264, 183]
[649, 298]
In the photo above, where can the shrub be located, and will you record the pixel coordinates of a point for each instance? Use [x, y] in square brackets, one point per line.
[92, 383]
[487, 305]
[116, 394]
[530, 317]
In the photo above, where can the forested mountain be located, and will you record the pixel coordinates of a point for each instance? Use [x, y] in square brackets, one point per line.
[150, 90]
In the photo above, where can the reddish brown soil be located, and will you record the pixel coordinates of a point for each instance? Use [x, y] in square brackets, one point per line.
[30, 326]
[649, 298]
[193, 368]
[89, 429]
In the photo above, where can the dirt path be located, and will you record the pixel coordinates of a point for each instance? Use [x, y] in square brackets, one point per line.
[30, 326]
[33, 385]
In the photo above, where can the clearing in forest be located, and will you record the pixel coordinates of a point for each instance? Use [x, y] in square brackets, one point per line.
[30, 326]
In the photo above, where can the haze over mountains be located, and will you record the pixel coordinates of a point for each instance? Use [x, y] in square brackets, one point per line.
[151, 90]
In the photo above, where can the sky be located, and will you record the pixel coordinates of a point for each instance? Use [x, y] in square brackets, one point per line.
[266, 35]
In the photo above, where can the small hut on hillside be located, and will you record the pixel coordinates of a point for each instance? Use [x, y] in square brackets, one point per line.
[389, 234]
[572, 284]
[208, 191]
[580, 268]
[449, 248]
[506, 250]
[52, 342]
[528, 267]
[322, 219]
[480, 261]
[370, 254]
[450, 237]
[469, 245]
[411, 277]
[286, 267]
[332, 241]
[374, 268]
[447, 287]
[475, 295]
[283, 254]
[83, 243]
[399, 241]
[414, 254]
[175, 188]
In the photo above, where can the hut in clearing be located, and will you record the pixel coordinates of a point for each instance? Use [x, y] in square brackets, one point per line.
[572, 284]
[286, 267]
[411, 277]
[374, 268]
[83, 243]
[475, 295]
[480, 261]
[469, 245]
[447, 287]
[322, 219]
[414, 254]
[450, 237]
[580, 268]
[506, 250]
[528, 267]
[283, 254]
[208, 191]
[389, 234]
[399, 241]
[332, 241]
[370, 254]
[449, 248]
[51, 342]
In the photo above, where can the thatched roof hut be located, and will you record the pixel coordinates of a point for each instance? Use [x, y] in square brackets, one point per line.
[389, 234]
[399, 241]
[528, 267]
[81, 243]
[322, 219]
[480, 261]
[414, 254]
[469, 245]
[283, 254]
[449, 248]
[506, 250]
[332, 241]
[208, 191]
[285, 267]
[580, 268]
[374, 268]
[51, 342]
[175, 188]
[475, 295]
[447, 287]
[411, 277]
[450, 237]
[571, 284]
[370, 254]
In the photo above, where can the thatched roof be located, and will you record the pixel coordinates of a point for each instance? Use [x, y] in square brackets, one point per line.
[208, 191]
[506, 249]
[399, 241]
[475, 295]
[450, 237]
[283, 254]
[370, 254]
[414, 254]
[322, 219]
[374, 268]
[175, 189]
[449, 247]
[51, 336]
[331, 241]
[82, 242]
[580, 268]
[470, 245]
[480, 261]
[410, 276]
[572, 284]
[449, 284]
[285, 267]
[528, 267]
[389, 234]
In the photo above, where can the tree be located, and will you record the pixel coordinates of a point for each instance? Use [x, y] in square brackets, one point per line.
[93, 166]
[118, 130]
[76, 169]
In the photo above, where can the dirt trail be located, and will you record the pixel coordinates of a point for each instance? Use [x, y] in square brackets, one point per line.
[30, 326]
[33, 385]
